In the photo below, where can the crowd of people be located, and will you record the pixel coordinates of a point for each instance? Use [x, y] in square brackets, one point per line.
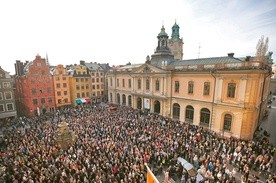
[113, 146]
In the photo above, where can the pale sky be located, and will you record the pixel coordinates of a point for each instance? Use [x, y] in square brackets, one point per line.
[122, 31]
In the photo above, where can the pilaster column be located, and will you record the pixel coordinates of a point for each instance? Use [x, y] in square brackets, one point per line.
[242, 89]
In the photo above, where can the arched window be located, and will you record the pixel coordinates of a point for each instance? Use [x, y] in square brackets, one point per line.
[204, 117]
[189, 113]
[227, 122]
[157, 85]
[176, 111]
[129, 100]
[147, 84]
[118, 98]
[124, 99]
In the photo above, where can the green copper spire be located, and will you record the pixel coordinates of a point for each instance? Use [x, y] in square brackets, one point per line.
[162, 33]
[175, 31]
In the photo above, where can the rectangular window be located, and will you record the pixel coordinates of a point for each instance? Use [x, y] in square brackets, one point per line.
[176, 86]
[59, 101]
[8, 95]
[123, 82]
[58, 93]
[111, 82]
[101, 79]
[41, 90]
[87, 94]
[98, 86]
[1, 96]
[231, 90]
[117, 82]
[93, 74]
[82, 86]
[157, 85]
[33, 90]
[129, 83]
[77, 79]
[93, 80]
[58, 85]
[43, 100]
[66, 100]
[65, 92]
[57, 78]
[87, 86]
[77, 87]
[86, 79]
[102, 86]
[97, 74]
[2, 108]
[82, 94]
[78, 95]
[10, 107]
[93, 94]
[6, 85]
[63, 78]
[50, 100]
[97, 80]
[81, 79]
[139, 84]
[190, 87]
[35, 101]
[98, 93]
[206, 89]
[49, 90]
[147, 84]
[93, 87]
[64, 85]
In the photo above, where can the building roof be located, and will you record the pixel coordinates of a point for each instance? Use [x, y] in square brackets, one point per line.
[206, 61]
[93, 66]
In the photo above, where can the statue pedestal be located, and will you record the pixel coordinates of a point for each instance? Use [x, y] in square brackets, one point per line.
[65, 137]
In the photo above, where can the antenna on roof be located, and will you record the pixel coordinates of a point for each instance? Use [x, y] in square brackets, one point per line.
[199, 50]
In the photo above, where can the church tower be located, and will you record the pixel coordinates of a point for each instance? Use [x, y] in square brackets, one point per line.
[162, 52]
[176, 43]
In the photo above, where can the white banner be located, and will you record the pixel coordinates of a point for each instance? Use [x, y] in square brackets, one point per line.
[146, 103]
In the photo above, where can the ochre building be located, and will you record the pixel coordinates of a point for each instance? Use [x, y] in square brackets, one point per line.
[61, 80]
[225, 94]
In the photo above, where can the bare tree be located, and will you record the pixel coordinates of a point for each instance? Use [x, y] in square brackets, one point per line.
[262, 48]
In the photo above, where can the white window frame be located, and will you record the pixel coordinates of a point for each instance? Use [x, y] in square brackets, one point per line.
[3, 108]
[1, 96]
[8, 83]
[6, 96]
[12, 106]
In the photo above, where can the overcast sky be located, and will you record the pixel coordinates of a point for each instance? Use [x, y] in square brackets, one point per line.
[121, 31]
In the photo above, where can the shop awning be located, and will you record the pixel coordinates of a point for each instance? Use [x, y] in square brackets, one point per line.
[80, 100]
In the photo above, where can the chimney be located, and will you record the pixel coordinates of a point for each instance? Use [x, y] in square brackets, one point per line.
[82, 62]
[247, 58]
[231, 55]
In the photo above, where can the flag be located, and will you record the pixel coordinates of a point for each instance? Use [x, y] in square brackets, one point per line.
[150, 176]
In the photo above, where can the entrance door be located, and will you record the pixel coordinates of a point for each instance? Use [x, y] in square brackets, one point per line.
[139, 103]
[157, 106]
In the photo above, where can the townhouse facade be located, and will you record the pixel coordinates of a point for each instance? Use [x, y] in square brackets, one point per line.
[34, 87]
[61, 82]
[7, 98]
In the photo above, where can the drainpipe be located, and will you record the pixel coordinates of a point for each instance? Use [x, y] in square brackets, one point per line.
[212, 110]
[213, 101]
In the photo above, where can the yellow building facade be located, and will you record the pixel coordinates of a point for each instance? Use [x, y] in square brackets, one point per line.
[80, 84]
[61, 82]
[225, 94]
